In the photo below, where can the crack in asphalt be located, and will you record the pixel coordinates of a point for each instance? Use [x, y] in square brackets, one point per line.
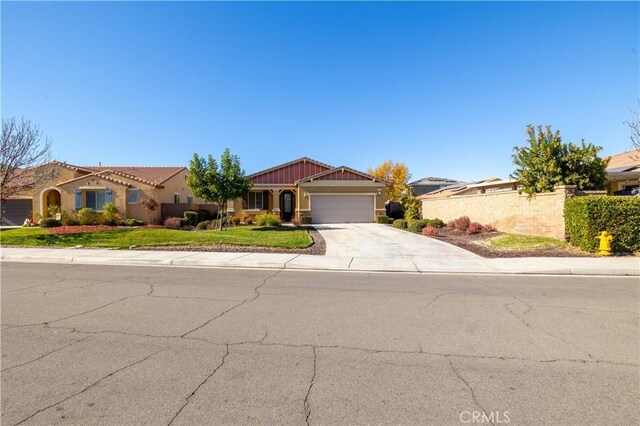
[307, 408]
[45, 355]
[88, 387]
[187, 400]
[473, 393]
[434, 299]
[526, 323]
[257, 294]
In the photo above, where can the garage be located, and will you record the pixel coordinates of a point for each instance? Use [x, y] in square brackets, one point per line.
[15, 211]
[342, 208]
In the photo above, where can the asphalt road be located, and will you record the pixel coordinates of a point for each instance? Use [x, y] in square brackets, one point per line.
[158, 345]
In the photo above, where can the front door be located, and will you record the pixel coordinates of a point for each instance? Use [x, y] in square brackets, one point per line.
[287, 206]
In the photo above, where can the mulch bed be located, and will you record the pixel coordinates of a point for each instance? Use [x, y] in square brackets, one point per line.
[319, 247]
[472, 244]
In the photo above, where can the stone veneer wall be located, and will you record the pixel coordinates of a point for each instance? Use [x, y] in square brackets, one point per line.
[508, 211]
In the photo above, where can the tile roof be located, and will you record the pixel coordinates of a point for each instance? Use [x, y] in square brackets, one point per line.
[149, 175]
[102, 175]
[624, 159]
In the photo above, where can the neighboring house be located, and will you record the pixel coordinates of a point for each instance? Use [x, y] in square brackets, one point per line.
[76, 187]
[623, 173]
[309, 188]
[430, 184]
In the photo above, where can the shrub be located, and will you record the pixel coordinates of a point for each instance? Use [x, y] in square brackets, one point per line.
[306, 220]
[174, 223]
[87, 216]
[461, 223]
[50, 222]
[488, 228]
[110, 214]
[203, 215]
[451, 224]
[267, 219]
[69, 219]
[205, 224]
[586, 217]
[400, 224]
[436, 223]
[474, 228]
[130, 222]
[248, 220]
[416, 225]
[429, 231]
[384, 219]
[235, 220]
[53, 210]
[191, 217]
[412, 207]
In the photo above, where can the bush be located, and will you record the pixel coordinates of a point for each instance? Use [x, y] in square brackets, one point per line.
[435, 223]
[69, 219]
[412, 207]
[110, 214]
[87, 216]
[429, 231]
[50, 222]
[461, 223]
[174, 223]
[586, 217]
[248, 220]
[191, 217]
[205, 224]
[384, 219]
[400, 224]
[267, 219]
[488, 228]
[474, 228]
[416, 225]
[306, 220]
[131, 222]
[235, 220]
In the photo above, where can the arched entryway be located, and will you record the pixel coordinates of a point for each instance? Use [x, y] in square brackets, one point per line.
[287, 205]
[49, 197]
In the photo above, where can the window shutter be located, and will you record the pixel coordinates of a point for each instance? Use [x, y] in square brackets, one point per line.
[107, 196]
[265, 200]
[78, 199]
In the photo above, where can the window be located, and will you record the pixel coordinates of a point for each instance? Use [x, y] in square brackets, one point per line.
[133, 196]
[254, 201]
[190, 199]
[94, 200]
[176, 198]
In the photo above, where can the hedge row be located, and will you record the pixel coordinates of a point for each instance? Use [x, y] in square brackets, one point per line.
[586, 217]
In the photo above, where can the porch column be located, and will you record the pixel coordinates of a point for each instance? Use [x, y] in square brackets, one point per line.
[276, 200]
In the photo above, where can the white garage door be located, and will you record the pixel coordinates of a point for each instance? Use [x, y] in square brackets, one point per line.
[341, 208]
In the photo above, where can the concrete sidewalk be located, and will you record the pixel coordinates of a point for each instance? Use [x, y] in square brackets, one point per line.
[552, 265]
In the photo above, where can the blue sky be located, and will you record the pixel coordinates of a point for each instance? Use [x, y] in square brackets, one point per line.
[447, 88]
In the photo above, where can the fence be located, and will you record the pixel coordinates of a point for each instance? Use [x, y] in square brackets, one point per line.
[508, 211]
[177, 210]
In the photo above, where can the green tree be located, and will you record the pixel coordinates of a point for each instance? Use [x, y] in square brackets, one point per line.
[547, 162]
[218, 183]
[412, 207]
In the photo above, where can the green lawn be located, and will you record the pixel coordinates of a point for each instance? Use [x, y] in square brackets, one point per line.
[282, 237]
[515, 241]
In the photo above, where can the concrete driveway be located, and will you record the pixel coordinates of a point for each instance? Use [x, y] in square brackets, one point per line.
[376, 240]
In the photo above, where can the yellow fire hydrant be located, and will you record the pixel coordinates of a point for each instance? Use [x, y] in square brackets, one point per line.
[605, 243]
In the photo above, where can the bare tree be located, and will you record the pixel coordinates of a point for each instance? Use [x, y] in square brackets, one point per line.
[24, 158]
[634, 126]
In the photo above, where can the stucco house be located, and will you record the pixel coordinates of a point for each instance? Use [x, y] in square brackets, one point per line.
[623, 173]
[310, 188]
[76, 187]
[430, 184]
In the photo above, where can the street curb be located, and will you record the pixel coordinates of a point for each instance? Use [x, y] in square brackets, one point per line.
[277, 265]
